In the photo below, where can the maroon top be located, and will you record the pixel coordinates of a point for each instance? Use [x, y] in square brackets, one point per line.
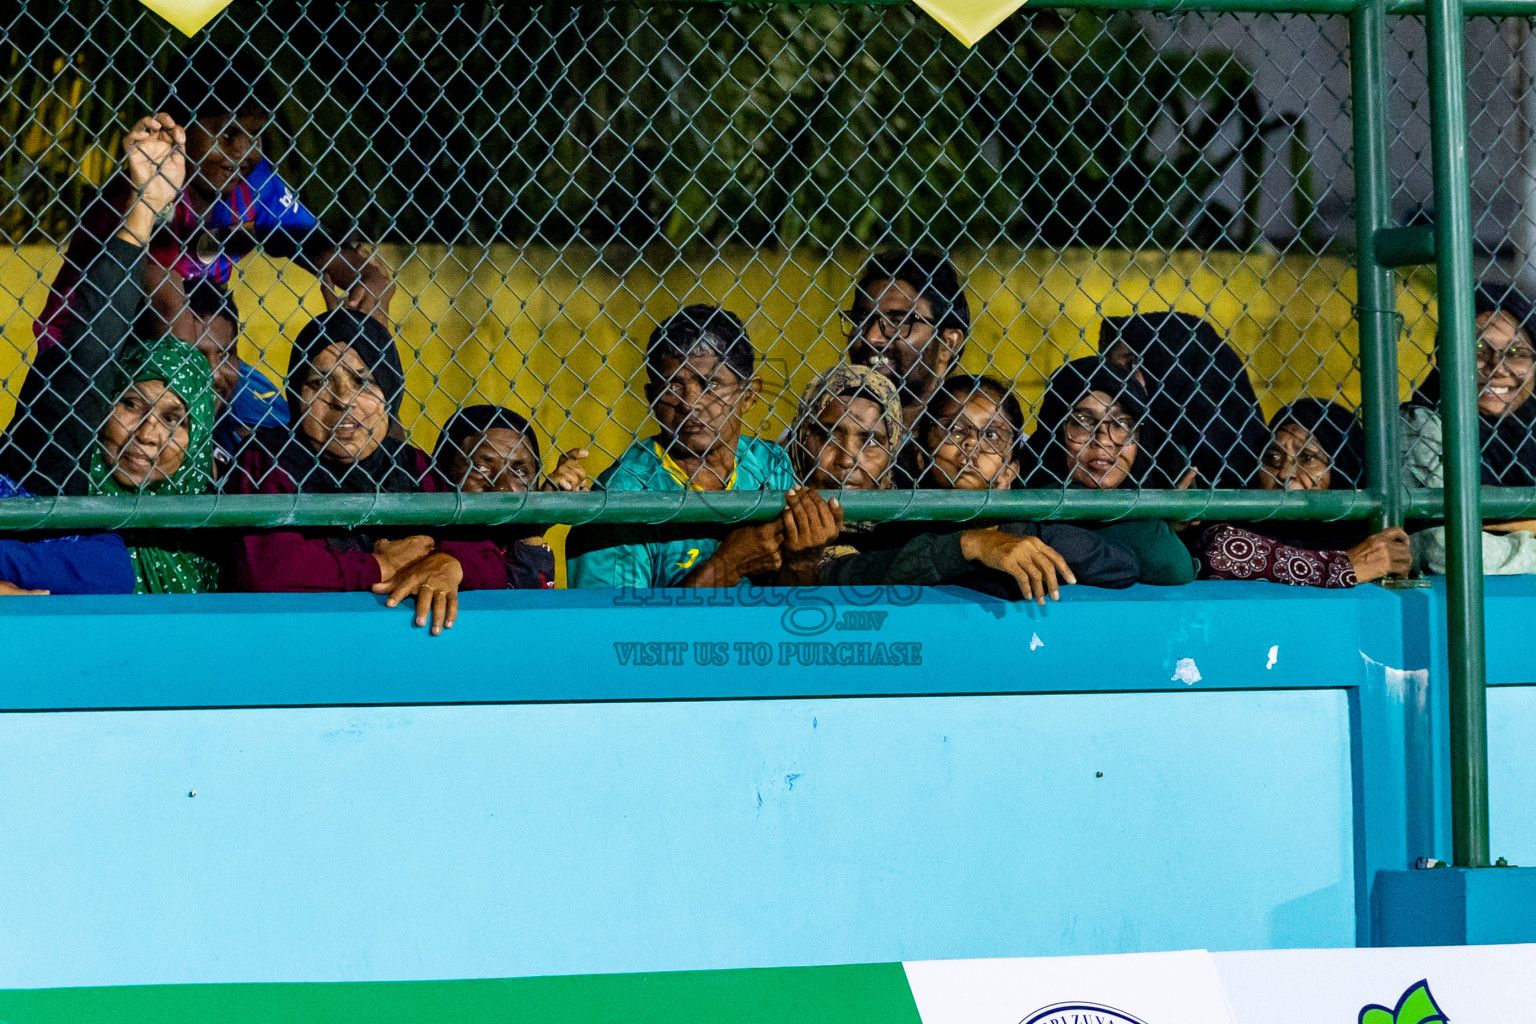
[325, 559]
[1231, 553]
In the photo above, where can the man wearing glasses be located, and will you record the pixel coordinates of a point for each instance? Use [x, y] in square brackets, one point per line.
[908, 322]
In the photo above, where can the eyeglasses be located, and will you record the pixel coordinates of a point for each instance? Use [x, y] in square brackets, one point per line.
[892, 323]
[1081, 427]
[1516, 358]
[988, 439]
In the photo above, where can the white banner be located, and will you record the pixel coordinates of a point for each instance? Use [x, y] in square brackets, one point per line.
[1412, 985]
[1462, 985]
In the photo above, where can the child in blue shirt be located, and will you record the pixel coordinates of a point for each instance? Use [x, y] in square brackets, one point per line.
[233, 201]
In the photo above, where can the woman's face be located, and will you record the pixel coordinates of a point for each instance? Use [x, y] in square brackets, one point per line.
[498, 460]
[1506, 365]
[146, 437]
[849, 445]
[971, 447]
[345, 415]
[699, 402]
[1100, 438]
[1294, 461]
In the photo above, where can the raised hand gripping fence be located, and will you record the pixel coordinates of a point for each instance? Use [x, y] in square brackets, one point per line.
[545, 185]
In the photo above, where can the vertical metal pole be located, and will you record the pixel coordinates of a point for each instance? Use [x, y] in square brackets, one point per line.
[1525, 219]
[1376, 286]
[1458, 408]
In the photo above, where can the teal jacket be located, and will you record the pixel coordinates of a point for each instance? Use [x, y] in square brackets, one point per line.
[643, 556]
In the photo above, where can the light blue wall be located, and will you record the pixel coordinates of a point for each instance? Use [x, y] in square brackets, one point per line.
[512, 798]
[1512, 772]
[394, 843]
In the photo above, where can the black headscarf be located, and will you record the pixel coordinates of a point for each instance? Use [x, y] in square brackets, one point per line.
[477, 419]
[1201, 397]
[1508, 442]
[1337, 432]
[383, 470]
[1067, 387]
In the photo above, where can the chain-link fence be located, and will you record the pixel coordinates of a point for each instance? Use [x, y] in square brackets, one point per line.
[1128, 237]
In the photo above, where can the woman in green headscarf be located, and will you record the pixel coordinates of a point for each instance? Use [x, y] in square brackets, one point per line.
[159, 440]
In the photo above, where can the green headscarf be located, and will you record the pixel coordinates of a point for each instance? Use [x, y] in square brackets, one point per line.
[185, 371]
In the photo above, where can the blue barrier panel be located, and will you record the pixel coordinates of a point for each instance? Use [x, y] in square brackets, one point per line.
[1262, 750]
[404, 843]
[1512, 773]
[276, 649]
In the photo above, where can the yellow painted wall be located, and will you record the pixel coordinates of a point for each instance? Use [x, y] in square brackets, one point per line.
[558, 333]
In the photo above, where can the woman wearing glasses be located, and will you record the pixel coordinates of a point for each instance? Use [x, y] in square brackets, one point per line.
[1506, 374]
[1092, 433]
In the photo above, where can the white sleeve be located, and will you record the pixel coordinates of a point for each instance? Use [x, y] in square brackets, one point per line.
[1504, 554]
[1423, 448]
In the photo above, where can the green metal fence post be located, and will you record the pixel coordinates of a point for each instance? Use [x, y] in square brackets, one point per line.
[1376, 287]
[1463, 456]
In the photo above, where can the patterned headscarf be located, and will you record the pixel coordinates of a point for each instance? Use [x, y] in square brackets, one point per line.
[185, 371]
[847, 381]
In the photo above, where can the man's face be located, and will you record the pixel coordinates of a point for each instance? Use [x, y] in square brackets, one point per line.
[216, 340]
[221, 150]
[891, 330]
[698, 402]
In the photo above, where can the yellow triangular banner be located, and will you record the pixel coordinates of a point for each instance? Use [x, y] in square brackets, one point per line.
[187, 15]
[969, 20]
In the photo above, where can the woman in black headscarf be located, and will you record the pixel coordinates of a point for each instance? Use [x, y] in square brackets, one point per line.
[1200, 396]
[1506, 375]
[1093, 432]
[489, 448]
[345, 386]
[1313, 446]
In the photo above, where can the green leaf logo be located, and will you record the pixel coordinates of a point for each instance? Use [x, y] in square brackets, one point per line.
[1416, 1006]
